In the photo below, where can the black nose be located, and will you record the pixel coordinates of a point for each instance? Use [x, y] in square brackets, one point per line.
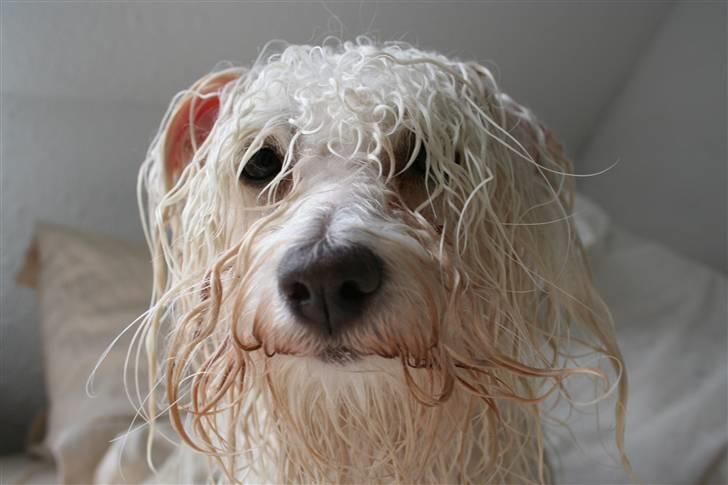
[329, 286]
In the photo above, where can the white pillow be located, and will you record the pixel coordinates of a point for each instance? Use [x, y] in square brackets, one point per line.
[90, 288]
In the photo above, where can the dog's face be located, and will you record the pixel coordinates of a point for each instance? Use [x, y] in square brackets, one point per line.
[333, 210]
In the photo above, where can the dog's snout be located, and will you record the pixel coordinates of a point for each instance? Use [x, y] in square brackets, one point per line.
[329, 286]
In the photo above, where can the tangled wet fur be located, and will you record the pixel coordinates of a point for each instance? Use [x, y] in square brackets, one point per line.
[488, 290]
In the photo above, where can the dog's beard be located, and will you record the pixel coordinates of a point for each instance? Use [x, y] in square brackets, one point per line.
[296, 419]
[362, 424]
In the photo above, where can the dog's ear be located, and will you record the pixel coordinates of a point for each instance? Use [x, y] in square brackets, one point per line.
[191, 121]
[516, 120]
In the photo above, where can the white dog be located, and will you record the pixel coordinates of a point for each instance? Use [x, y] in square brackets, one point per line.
[365, 271]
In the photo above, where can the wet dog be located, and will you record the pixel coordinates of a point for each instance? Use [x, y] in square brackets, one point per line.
[365, 271]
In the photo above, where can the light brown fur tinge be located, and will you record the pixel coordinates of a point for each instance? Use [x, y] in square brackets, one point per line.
[365, 271]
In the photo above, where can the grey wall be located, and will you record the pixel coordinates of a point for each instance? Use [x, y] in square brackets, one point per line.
[83, 86]
[667, 128]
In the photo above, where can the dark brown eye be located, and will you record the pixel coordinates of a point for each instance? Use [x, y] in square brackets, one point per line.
[263, 165]
[420, 162]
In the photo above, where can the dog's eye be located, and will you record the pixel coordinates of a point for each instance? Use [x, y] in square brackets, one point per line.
[263, 165]
[420, 162]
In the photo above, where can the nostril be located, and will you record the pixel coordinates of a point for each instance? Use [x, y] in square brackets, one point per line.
[350, 290]
[297, 291]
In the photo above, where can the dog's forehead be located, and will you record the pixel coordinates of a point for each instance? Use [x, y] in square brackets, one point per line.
[351, 98]
[356, 82]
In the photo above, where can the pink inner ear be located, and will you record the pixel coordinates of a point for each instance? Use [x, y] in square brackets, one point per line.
[179, 147]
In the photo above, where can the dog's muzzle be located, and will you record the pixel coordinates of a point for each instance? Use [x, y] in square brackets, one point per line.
[329, 287]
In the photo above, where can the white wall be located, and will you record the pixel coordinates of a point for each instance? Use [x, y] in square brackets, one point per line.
[668, 130]
[84, 84]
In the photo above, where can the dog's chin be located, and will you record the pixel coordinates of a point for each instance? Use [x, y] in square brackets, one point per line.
[348, 346]
[338, 355]
[322, 350]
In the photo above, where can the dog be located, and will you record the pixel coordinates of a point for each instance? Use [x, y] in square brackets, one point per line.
[365, 270]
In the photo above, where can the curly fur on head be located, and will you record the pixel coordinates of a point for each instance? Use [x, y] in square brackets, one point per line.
[487, 284]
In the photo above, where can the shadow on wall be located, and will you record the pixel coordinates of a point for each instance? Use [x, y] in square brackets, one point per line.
[668, 130]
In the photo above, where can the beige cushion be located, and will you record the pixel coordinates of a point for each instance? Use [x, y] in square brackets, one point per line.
[90, 288]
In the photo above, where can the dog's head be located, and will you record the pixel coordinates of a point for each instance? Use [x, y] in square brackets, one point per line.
[368, 241]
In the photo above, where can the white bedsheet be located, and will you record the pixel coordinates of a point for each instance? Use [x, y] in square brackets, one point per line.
[672, 319]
